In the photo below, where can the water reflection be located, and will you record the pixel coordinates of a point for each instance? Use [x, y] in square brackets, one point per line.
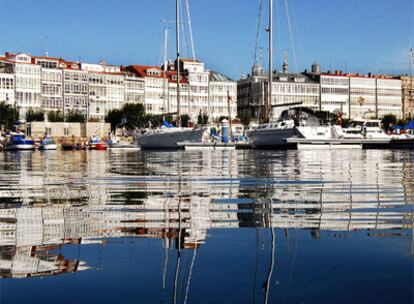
[185, 199]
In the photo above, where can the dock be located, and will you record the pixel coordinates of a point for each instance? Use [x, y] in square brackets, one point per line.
[191, 146]
[339, 143]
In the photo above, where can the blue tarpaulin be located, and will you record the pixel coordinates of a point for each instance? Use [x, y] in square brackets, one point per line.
[410, 125]
[167, 124]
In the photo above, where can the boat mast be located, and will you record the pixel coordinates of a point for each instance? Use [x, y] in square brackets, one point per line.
[411, 80]
[165, 95]
[269, 102]
[177, 29]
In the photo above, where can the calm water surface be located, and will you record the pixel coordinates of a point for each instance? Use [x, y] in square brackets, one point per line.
[207, 227]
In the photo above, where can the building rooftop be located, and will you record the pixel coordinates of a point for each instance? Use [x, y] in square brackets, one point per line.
[144, 71]
[216, 76]
[292, 77]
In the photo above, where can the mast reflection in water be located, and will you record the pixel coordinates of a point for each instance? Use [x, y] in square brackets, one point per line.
[207, 227]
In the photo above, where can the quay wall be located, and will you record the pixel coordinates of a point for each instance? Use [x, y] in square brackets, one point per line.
[75, 130]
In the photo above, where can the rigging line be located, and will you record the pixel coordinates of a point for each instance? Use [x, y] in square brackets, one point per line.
[259, 19]
[289, 283]
[184, 29]
[292, 43]
[412, 25]
[190, 275]
[297, 28]
[278, 31]
[256, 269]
[190, 27]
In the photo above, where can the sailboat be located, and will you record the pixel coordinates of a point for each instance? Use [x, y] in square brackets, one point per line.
[168, 137]
[295, 122]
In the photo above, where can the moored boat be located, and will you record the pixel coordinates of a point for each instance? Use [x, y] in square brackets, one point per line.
[97, 144]
[168, 138]
[19, 142]
[295, 122]
[47, 143]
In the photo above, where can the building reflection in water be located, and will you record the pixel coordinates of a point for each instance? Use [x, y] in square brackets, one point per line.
[51, 200]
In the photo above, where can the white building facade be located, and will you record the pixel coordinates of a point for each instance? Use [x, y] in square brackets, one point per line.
[52, 83]
[134, 88]
[106, 89]
[6, 82]
[222, 97]
[27, 83]
[198, 87]
[75, 88]
[361, 96]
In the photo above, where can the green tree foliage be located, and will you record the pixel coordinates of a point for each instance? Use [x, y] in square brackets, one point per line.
[35, 115]
[133, 115]
[55, 116]
[244, 119]
[114, 117]
[184, 120]
[202, 119]
[75, 116]
[8, 115]
[389, 120]
[223, 117]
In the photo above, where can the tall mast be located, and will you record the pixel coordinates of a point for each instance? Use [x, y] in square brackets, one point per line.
[411, 80]
[177, 29]
[269, 103]
[165, 95]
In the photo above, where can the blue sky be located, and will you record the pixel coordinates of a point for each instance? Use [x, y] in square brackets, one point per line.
[369, 35]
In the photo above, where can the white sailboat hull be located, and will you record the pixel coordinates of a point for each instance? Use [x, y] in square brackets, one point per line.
[271, 138]
[169, 138]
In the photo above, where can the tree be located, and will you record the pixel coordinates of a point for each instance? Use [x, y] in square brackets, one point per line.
[134, 114]
[205, 119]
[55, 116]
[185, 118]
[114, 117]
[8, 115]
[389, 120]
[244, 119]
[75, 116]
[223, 117]
[202, 118]
[35, 115]
[131, 115]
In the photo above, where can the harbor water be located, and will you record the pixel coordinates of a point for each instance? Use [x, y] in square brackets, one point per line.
[231, 226]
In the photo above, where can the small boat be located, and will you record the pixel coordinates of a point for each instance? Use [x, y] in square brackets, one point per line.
[97, 144]
[19, 142]
[47, 143]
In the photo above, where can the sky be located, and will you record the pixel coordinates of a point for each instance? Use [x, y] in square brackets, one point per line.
[351, 35]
